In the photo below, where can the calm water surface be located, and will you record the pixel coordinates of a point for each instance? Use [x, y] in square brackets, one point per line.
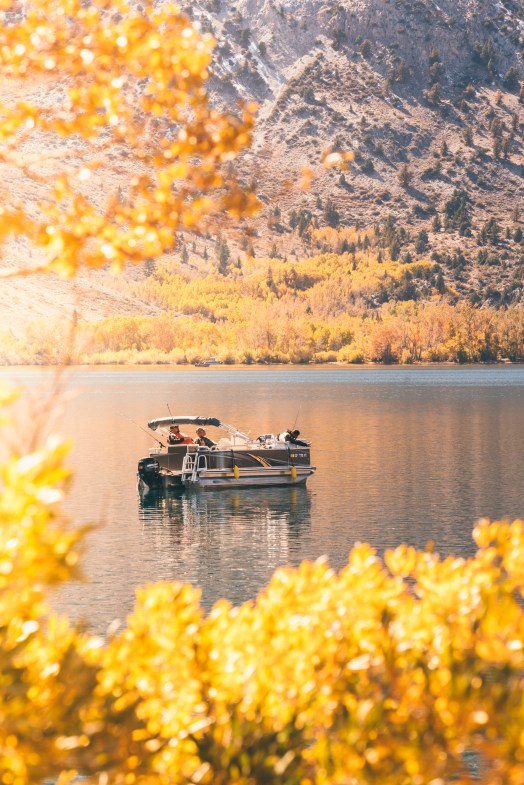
[402, 455]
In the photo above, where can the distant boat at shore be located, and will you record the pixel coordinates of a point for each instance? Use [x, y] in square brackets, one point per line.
[208, 362]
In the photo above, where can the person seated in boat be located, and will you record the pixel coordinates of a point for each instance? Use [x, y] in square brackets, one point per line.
[291, 436]
[177, 437]
[203, 440]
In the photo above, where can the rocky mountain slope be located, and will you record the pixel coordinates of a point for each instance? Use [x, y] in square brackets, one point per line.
[427, 95]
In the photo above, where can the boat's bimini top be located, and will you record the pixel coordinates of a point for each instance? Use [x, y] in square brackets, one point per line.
[165, 422]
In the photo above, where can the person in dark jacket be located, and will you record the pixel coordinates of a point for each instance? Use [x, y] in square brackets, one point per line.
[202, 439]
[291, 436]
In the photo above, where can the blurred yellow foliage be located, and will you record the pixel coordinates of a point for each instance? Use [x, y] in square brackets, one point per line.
[123, 84]
[407, 670]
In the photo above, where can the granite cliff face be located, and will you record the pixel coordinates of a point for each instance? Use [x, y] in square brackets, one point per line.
[407, 29]
[428, 95]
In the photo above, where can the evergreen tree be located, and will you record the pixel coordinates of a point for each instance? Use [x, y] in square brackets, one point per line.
[405, 176]
[270, 281]
[394, 251]
[304, 220]
[422, 242]
[223, 255]
[468, 136]
[440, 286]
[331, 214]
[490, 232]
[150, 267]
[365, 49]
[507, 147]
[435, 67]
[457, 212]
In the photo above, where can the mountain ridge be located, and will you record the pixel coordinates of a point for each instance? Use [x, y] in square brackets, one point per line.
[427, 96]
[425, 91]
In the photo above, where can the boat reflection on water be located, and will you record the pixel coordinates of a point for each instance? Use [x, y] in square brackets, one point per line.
[228, 542]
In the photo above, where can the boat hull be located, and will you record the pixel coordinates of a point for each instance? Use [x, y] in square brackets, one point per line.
[247, 478]
[180, 468]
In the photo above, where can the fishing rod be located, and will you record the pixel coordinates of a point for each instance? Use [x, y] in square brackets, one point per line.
[296, 418]
[169, 410]
[143, 429]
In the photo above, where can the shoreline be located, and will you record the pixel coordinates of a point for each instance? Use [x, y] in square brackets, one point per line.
[57, 368]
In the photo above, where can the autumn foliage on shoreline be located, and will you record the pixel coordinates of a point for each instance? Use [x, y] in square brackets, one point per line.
[347, 308]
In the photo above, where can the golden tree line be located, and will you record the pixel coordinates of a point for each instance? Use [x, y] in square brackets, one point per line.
[322, 309]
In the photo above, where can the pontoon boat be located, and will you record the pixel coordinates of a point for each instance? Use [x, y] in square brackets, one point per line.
[235, 460]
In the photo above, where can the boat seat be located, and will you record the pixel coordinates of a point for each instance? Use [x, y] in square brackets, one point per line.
[223, 443]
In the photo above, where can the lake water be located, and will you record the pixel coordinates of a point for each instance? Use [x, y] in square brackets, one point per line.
[402, 455]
